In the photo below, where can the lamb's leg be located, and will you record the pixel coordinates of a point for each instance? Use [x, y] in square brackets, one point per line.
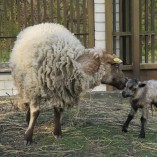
[130, 117]
[34, 113]
[57, 122]
[143, 122]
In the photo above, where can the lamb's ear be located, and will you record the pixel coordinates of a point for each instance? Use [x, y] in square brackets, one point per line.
[142, 84]
[89, 64]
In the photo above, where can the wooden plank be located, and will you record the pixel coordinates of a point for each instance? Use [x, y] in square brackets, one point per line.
[84, 22]
[109, 28]
[90, 6]
[135, 38]
[109, 25]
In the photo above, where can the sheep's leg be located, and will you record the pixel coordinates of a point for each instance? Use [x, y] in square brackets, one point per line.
[34, 113]
[57, 122]
[28, 112]
[143, 122]
[28, 116]
[128, 120]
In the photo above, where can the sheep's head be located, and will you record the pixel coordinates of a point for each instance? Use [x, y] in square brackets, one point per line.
[133, 88]
[113, 75]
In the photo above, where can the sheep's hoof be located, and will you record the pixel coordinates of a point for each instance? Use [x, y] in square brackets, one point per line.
[124, 129]
[28, 137]
[57, 135]
[142, 135]
[26, 142]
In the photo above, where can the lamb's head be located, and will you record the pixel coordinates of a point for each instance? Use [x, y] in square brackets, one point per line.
[134, 88]
[111, 67]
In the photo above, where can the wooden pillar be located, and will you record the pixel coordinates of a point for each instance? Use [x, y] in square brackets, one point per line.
[109, 28]
[109, 25]
[90, 4]
[135, 38]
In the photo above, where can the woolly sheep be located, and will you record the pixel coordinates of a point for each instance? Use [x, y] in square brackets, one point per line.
[141, 95]
[50, 64]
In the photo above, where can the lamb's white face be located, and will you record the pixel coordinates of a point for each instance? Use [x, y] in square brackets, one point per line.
[133, 88]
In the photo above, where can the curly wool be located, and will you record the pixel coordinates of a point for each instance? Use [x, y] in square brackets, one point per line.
[44, 65]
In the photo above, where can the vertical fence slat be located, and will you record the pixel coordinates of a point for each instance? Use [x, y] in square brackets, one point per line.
[91, 22]
[32, 13]
[84, 21]
[65, 12]
[58, 11]
[25, 13]
[44, 11]
[38, 11]
[135, 39]
[51, 10]
[152, 29]
[114, 17]
[78, 17]
[71, 15]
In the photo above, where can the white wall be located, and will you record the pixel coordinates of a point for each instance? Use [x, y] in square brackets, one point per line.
[99, 13]
[7, 85]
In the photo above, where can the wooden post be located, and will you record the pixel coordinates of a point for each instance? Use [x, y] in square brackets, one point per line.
[109, 29]
[90, 4]
[135, 38]
[109, 25]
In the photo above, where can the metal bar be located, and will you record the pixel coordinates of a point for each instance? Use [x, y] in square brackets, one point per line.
[90, 4]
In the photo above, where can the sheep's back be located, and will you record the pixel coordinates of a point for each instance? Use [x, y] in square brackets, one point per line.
[37, 40]
[43, 65]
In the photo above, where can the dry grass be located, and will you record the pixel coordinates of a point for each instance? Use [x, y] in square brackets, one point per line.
[94, 131]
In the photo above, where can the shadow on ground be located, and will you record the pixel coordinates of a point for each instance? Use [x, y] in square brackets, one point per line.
[94, 131]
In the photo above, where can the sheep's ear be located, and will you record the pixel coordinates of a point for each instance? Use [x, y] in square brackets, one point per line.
[111, 58]
[89, 64]
[142, 84]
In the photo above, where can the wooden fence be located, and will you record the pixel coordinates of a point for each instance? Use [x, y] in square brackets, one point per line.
[15, 15]
[133, 27]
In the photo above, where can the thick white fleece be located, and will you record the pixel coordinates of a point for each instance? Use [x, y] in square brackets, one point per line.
[43, 63]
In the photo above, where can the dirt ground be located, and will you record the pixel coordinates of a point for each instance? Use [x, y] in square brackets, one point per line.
[91, 130]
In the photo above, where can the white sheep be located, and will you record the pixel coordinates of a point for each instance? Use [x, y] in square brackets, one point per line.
[49, 63]
[141, 95]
